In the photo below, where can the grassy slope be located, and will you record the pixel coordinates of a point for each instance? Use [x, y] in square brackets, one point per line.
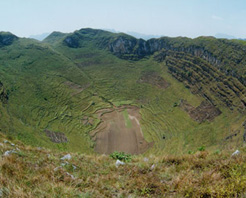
[116, 81]
[34, 74]
[38, 97]
[37, 172]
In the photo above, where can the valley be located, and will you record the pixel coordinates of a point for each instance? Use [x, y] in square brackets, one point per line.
[72, 92]
[100, 114]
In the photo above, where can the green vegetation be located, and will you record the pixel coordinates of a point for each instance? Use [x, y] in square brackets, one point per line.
[63, 85]
[37, 172]
[127, 119]
[202, 148]
[60, 85]
[121, 156]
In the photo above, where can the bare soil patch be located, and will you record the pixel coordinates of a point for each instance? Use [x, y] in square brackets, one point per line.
[120, 130]
[56, 137]
[154, 79]
[205, 111]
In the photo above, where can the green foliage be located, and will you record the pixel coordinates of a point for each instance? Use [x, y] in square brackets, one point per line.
[62, 146]
[217, 152]
[51, 85]
[146, 192]
[128, 122]
[175, 104]
[190, 152]
[121, 156]
[202, 148]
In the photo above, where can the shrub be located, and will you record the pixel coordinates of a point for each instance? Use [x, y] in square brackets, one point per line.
[121, 156]
[202, 148]
[175, 104]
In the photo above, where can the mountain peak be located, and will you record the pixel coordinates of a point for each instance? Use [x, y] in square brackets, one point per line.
[7, 38]
[54, 37]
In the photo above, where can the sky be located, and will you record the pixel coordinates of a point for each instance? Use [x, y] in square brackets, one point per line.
[191, 18]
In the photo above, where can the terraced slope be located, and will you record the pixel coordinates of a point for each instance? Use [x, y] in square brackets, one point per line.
[188, 92]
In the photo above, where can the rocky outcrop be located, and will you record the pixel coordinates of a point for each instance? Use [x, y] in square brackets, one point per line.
[122, 45]
[217, 52]
[205, 111]
[72, 41]
[56, 137]
[204, 79]
[3, 94]
[228, 57]
[141, 48]
[7, 38]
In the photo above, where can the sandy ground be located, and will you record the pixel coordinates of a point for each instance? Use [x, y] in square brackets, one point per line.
[113, 134]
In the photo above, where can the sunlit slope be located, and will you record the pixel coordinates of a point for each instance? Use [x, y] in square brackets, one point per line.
[116, 79]
[51, 92]
[40, 97]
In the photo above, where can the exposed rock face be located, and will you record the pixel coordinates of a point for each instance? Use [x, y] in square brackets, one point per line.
[142, 48]
[122, 45]
[205, 111]
[208, 66]
[128, 47]
[202, 47]
[217, 52]
[3, 94]
[204, 79]
[7, 38]
[72, 41]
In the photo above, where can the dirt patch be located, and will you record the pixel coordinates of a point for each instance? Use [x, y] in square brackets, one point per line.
[56, 137]
[75, 87]
[154, 79]
[120, 130]
[205, 111]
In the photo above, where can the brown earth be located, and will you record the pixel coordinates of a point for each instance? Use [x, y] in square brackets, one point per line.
[154, 79]
[205, 111]
[56, 137]
[114, 134]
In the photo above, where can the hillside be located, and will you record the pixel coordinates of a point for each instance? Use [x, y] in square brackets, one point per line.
[93, 91]
[37, 172]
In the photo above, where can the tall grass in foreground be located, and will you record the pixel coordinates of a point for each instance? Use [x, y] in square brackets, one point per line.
[37, 172]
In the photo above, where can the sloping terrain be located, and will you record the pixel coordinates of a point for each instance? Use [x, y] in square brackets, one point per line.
[37, 172]
[51, 91]
[120, 130]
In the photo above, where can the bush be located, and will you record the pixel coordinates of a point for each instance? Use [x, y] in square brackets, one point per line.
[121, 156]
[175, 104]
[202, 148]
